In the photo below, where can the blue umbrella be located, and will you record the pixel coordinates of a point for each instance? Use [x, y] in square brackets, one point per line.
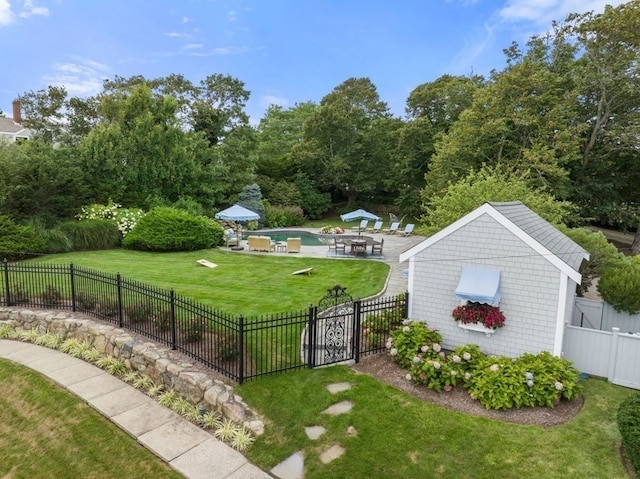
[237, 213]
[359, 215]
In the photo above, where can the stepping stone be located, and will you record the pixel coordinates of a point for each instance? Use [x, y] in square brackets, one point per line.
[335, 388]
[342, 407]
[290, 468]
[314, 432]
[331, 454]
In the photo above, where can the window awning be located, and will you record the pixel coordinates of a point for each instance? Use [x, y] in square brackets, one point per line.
[479, 285]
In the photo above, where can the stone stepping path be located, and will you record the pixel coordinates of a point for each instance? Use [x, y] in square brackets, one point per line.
[293, 466]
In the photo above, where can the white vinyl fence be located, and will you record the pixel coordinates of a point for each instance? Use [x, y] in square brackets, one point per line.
[593, 314]
[612, 355]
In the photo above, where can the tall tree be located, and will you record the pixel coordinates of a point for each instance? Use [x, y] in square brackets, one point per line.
[347, 139]
[44, 111]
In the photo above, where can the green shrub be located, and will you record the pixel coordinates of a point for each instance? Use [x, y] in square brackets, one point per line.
[408, 341]
[190, 205]
[282, 216]
[51, 296]
[18, 242]
[628, 419]
[168, 229]
[531, 380]
[57, 241]
[194, 329]
[139, 312]
[86, 301]
[620, 286]
[90, 235]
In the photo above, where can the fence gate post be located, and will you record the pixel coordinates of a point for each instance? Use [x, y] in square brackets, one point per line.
[7, 292]
[613, 354]
[406, 305]
[357, 320]
[311, 336]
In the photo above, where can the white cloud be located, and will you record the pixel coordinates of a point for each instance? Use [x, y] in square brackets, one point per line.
[542, 12]
[176, 34]
[474, 46]
[83, 78]
[232, 16]
[221, 51]
[190, 46]
[186, 19]
[266, 100]
[29, 9]
[6, 16]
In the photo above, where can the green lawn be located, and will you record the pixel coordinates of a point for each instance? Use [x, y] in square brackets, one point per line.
[401, 436]
[250, 284]
[47, 432]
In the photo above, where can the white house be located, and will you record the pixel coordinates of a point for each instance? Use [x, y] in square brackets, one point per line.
[11, 129]
[500, 253]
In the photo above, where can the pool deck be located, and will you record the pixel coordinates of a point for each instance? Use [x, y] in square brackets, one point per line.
[394, 245]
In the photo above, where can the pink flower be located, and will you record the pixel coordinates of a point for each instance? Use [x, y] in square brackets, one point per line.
[436, 365]
[437, 347]
[466, 356]
[495, 368]
[424, 348]
[456, 358]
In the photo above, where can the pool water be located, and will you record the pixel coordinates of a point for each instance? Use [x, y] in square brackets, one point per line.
[307, 238]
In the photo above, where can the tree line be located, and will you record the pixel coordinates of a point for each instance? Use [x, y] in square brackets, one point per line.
[561, 118]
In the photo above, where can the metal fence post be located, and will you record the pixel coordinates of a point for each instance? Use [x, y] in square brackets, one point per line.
[172, 309]
[241, 347]
[120, 312]
[7, 292]
[311, 336]
[357, 311]
[72, 278]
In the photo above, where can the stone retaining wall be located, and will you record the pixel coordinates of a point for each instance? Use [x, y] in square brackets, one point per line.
[159, 363]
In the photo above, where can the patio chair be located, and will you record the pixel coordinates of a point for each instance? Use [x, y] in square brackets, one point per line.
[362, 226]
[406, 231]
[340, 246]
[376, 248]
[392, 228]
[293, 245]
[377, 226]
[231, 238]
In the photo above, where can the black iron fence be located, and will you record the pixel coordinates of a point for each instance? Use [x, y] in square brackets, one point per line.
[236, 346]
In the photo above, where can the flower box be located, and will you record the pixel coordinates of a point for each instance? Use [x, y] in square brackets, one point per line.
[480, 328]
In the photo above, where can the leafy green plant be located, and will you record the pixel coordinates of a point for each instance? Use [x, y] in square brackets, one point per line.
[139, 312]
[194, 329]
[8, 332]
[19, 242]
[169, 229]
[108, 307]
[242, 439]
[130, 376]
[91, 235]
[161, 319]
[167, 398]
[283, 216]
[619, 286]
[226, 346]
[75, 347]
[413, 338]
[29, 335]
[226, 430]
[51, 296]
[155, 390]
[143, 382]
[210, 420]
[112, 365]
[86, 301]
[628, 419]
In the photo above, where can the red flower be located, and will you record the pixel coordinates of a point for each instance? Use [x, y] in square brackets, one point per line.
[477, 313]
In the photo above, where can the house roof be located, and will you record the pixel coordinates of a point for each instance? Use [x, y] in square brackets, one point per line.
[539, 234]
[7, 125]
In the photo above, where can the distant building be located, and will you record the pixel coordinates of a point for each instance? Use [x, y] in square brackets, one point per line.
[11, 129]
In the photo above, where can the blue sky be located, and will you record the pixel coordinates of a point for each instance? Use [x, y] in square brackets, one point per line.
[285, 51]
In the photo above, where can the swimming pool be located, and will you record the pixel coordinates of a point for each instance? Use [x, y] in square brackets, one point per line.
[307, 238]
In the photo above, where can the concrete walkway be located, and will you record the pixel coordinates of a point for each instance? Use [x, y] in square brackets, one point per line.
[187, 448]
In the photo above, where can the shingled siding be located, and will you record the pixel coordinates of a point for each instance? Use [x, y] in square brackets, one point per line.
[529, 287]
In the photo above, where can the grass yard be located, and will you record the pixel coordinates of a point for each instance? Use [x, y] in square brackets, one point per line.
[250, 284]
[47, 432]
[401, 436]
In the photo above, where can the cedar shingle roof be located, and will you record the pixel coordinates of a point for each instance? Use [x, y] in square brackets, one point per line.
[543, 232]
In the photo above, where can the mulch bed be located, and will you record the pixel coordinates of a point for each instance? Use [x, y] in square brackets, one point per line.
[385, 370]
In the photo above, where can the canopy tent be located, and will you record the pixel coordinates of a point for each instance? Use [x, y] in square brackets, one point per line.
[359, 215]
[237, 214]
[479, 286]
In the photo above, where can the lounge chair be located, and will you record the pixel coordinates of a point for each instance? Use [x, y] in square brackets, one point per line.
[376, 248]
[394, 219]
[406, 231]
[392, 228]
[231, 238]
[293, 245]
[362, 226]
[377, 226]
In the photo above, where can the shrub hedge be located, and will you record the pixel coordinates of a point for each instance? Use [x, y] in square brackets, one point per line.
[19, 242]
[169, 229]
[629, 425]
[90, 235]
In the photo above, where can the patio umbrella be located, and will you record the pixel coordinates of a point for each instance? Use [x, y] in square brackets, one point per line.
[359, 215]
[237, 214]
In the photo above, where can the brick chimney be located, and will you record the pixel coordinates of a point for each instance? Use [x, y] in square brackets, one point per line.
[17, 115]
